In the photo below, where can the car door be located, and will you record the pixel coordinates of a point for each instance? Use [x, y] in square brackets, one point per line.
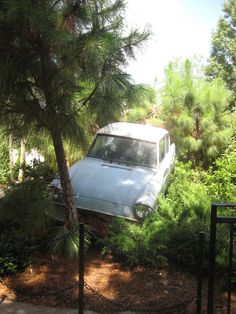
[166, 159]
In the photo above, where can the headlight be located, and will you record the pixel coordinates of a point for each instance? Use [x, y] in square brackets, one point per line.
[141, 211]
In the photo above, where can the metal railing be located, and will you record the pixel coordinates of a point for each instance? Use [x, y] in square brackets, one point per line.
[215, 219]
[109, 304]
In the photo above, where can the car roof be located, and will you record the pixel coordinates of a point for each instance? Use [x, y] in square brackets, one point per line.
[133, 130]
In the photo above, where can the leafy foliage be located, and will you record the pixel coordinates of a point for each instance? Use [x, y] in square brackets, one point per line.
[183, 213]
[171, 232]
[78, 50]
[23, 222]
[222, 60]
[66, 241]
[39, 170]
[221, 178]
[7, 266]
[29, 226]
[194, 112]
[16, 254]
[140, 104]
[24, 207]
[4, 158]
[143, 245]
[59, 57]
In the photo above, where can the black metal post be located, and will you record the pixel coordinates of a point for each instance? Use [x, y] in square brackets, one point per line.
[210, 305]
[231, 242]
[81, 268]
[200, 272]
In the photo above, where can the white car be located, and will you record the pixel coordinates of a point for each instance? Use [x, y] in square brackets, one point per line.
[124, 172]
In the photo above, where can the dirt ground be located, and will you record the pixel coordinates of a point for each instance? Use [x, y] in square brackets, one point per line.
[109, 287]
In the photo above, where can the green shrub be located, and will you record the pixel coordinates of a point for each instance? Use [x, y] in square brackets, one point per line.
[65, 241]
[171, 232]
[39, 170]
[25, 207]
[16, 253]
[4, 158]
[221, 178]
[28, 227]
[7, 266]
[24, 224]
[136, 114]
[136, 243]
[187, 196]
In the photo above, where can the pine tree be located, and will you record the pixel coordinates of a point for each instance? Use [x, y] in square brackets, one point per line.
[195, 113]
[53, 53]
[222, 62]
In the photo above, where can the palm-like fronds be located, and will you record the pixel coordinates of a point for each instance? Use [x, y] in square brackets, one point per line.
[66, 241]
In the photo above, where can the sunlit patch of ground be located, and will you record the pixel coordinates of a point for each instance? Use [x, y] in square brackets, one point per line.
[109, 286]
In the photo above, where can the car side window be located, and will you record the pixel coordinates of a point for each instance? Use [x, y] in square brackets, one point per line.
[162, 149]
[167, 138]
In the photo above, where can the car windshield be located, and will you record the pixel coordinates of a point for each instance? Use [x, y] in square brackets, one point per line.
[124, 150]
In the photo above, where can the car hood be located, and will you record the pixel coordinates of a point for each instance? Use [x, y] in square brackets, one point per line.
[112, 182]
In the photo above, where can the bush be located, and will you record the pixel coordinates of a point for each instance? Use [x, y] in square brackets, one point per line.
[187, 205]
[4, 158]
[65, 241]
[7, 266]
[29, 227]
[137, 243]
[137, 114]
[221, 178]
[171, 232]
[16, 254]
[39, 170]
[25, 207]
[24, 223]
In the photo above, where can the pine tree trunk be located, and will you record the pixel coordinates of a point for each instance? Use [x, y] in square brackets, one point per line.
[22, 159]
[11, 160]
[64, 177]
